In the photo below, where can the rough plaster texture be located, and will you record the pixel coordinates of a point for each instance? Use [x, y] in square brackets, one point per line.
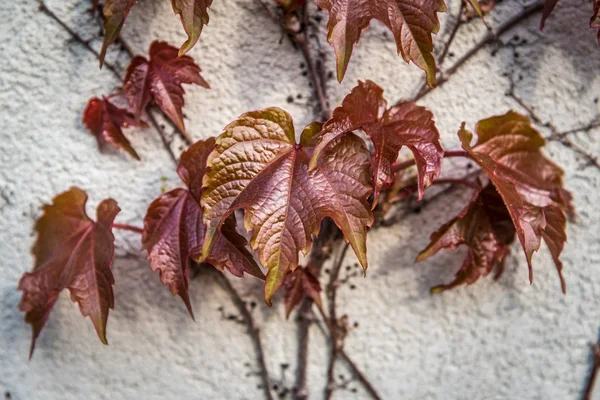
[494, 340]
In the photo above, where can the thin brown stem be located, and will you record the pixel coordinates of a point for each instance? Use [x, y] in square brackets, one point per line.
[333, 320]
[362, 378]
[163, 135]
[450, 40]
[556, 135]
[320, 253]
[253, 330]
[490, 37]
[591, 383]
[447, 154]
[126, 227]
[75, 36]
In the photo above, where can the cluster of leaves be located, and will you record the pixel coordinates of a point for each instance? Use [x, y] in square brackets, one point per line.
[286, 188]
[158, 79]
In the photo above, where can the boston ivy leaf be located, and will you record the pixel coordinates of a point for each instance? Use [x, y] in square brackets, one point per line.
[194, 15]
[508, 150]
[404, 124]
[75, 253]
[258, 166]
[174, 231]
[485, 227]
[105, 120]
[160, 79]
[115, 13]
[411, 21]
[297, 285]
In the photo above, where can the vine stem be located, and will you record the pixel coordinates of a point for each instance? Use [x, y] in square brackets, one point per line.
[490, 37]
[253, 330]
[126, 227]
[335, 342]
[447, 154]
[589, 388]
[351, 364]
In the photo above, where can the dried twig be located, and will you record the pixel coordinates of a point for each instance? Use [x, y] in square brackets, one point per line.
[336, 342]
[490, 37]
[561, 137]
[253, 330]
[126, 227]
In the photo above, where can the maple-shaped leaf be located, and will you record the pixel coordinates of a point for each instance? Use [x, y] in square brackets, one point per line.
[105, 120]
[411, 21]
[174, 231]
[485, 227]
[299, 284]
[258, 166]
[115, 13]
[71, 252]
[508, 150]
[404, 124]
[194, 15]
[160, 79]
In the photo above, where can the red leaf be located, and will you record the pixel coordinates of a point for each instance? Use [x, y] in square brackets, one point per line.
[160, 79]
[194, 15]
[485, 227]
[411, 21]
[258, 166]
[105, 120]
[508, 150]
[115, 13]
[299, 284]
[404, 124]
[174, 231]
[75, 253]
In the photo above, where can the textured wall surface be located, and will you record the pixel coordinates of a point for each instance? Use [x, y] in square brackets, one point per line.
[494, 340]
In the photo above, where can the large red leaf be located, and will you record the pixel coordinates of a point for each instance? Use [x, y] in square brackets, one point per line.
[411, 21]
[194, 15]
[298, 284]
[75, 253]
[404, 124]
[508, 150]
[160, 79]
[115, 13]
[174, 231]
[258, 166]
[105, 120]
[485, 227]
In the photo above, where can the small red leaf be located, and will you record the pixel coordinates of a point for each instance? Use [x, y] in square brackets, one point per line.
[411, 21]
[404, 124]
[115, 13]
[595, 20]
[160, 79]
[75, 253]
[174, 231]
[194, 15]
[299, 284]
[105, 120]
[548, 8]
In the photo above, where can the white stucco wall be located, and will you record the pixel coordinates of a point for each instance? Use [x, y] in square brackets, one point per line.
[494, 340]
